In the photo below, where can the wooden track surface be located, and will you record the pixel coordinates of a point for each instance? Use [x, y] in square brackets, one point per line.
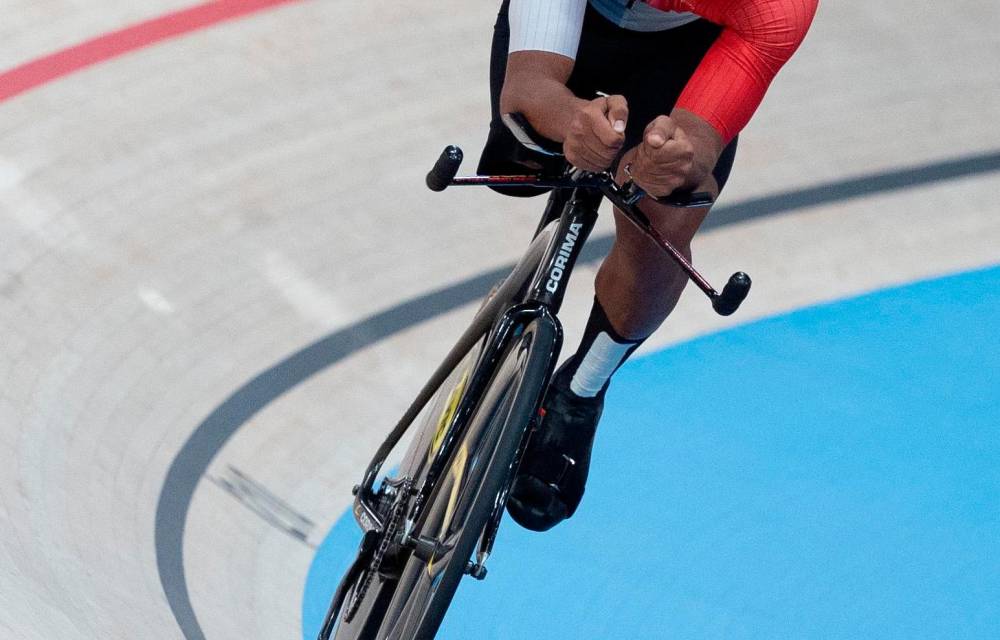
[179, 219]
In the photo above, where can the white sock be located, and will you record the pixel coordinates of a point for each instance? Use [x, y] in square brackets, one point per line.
[597, 365]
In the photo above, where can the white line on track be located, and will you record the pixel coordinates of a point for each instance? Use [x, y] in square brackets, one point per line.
[310, 300]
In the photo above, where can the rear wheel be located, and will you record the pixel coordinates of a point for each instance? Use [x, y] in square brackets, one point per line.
[461, 504]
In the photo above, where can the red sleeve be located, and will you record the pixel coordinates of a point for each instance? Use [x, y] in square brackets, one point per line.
[758, 37]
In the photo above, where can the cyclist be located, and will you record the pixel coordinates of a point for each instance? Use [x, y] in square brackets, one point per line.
[656, 90]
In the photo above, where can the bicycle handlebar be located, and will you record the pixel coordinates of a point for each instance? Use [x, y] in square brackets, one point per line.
[439, 177]
[442, 176]
[681, 198]
[626, 197]
[733, 294]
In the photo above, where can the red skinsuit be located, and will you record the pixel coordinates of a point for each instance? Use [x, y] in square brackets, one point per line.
[758, 37]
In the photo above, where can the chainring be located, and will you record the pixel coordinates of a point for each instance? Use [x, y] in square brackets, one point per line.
[396, 514]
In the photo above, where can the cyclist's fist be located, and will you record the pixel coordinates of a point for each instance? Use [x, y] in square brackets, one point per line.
[664, 161]
[596, 133]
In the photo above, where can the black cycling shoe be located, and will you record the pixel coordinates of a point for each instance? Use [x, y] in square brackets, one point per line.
[550, 481]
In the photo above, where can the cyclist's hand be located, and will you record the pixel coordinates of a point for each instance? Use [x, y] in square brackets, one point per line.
[664, 161]
[596, 133]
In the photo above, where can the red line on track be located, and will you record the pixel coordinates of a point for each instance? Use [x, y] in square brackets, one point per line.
[116, 43]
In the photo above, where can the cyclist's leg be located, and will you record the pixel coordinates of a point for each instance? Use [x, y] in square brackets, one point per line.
[637, 286]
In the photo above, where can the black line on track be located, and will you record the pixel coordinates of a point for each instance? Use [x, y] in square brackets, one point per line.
[194, 458]
[266, 505]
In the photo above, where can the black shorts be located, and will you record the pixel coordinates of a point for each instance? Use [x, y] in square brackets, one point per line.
[649, 68]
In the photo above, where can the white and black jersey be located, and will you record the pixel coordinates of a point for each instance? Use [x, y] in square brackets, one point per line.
[555, 25]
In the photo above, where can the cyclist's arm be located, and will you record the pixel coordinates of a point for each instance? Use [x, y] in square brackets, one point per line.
[544, 36]
[758, 38]
[536, 86]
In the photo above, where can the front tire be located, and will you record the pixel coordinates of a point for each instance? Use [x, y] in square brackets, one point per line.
[461, 504]
[429, 426]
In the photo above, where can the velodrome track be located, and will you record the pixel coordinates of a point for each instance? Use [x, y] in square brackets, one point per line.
[221, 278]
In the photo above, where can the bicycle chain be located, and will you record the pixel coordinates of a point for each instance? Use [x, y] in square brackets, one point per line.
[391, 525]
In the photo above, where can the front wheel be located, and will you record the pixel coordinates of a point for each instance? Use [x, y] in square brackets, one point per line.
[431, 427]
[464, 498]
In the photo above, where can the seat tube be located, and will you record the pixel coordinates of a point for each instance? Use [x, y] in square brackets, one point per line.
[575, 224]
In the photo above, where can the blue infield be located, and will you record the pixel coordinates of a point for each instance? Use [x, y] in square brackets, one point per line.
[830, 473]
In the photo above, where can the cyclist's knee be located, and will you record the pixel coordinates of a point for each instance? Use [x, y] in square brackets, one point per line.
[676, 226]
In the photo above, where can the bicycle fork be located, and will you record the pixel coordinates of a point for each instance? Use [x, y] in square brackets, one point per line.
[477, 569]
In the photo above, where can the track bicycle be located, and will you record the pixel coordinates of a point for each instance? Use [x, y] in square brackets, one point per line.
[436, 519]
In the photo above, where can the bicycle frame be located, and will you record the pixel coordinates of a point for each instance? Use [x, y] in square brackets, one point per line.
[542, 275]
